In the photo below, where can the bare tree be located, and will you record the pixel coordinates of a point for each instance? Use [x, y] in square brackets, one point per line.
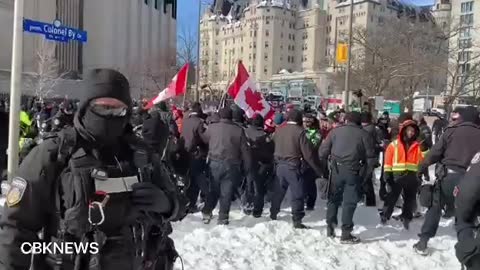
[46, 75]
[394, 60]
[463, 67]
[187, 53]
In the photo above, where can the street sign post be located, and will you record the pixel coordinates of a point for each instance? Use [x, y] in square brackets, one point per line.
[54, 31]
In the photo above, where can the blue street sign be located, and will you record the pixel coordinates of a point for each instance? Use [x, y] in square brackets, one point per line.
[54, 31]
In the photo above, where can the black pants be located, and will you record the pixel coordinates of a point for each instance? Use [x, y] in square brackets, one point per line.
[255, 189]
[442, 198]
[198, 180]
[289, 176]
[347, 192]
[224, 179]
[368, 189]
[310, 186]
[406, 184]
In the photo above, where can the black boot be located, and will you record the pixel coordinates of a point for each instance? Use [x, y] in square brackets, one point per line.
[348, 238]
[299, 225]
[330, 231]
[223, 222]
[207, 217]
[421, 246]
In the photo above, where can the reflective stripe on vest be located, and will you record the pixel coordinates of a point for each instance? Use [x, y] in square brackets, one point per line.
[402, 166]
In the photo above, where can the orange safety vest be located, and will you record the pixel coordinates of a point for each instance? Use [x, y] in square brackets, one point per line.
[396, 160]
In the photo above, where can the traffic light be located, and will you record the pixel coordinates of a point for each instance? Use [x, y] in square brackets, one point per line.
[342, 53]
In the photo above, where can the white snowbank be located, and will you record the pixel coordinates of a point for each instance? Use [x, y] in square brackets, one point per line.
[250, 244]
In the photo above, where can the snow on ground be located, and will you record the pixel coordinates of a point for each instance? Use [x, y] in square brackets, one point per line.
[249, 243]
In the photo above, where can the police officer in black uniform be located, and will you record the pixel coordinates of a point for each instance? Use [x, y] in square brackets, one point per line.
[349, 148]
[193, 129]
[227, 152]
[94, 183]
[291, 146]
[261, 149]
[467, 202]
[453, 152]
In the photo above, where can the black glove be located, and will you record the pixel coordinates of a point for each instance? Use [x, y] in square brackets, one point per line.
[151, 199]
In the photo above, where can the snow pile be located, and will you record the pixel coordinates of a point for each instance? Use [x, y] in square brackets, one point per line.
[275, 3]
[251, 244]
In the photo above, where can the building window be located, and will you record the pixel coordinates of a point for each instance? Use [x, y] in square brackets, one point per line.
[146, 2]
[155, 3]
[266, 56]
[293, 48]
[255, 33]
[465, 32]
[253, 69]
[281, 35]
[293, 37]
[465, 68]
[464, 56]
[233, 40]
[293, 59]
[250, 57]
[265, 70]
[464, 43]
[241, 49]
[467, 7]
[254, 56]
[290, 36]
[267, 21]
[466, 19]
[254, 45]
[266, 44]
[267, 33]
[225, 42]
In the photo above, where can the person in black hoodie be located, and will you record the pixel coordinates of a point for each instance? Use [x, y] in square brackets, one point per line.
[193, 129]
[261, 149]
[454, 151]
[94, 182]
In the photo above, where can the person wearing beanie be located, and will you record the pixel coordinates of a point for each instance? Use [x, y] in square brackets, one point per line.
[453, 153]
[291, 147]
[238, 116]
[261, 151]
[350, 149]
[384, 124]
[227, 152]
[193, 131]
[375, 134]
[88, 176]
[162, 109]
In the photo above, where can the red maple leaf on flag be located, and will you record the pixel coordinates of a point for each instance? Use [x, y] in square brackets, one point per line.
[253, 99]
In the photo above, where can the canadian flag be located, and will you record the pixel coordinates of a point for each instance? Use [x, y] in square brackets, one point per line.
[245, 94]
[177, 86]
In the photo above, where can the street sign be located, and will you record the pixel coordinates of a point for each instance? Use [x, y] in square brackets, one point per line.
[54, 31]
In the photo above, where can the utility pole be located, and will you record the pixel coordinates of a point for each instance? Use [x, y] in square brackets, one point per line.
[197, 76]
[15, 89]
[349, 60]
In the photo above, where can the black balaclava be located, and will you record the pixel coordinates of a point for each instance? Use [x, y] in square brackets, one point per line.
[100, 83]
